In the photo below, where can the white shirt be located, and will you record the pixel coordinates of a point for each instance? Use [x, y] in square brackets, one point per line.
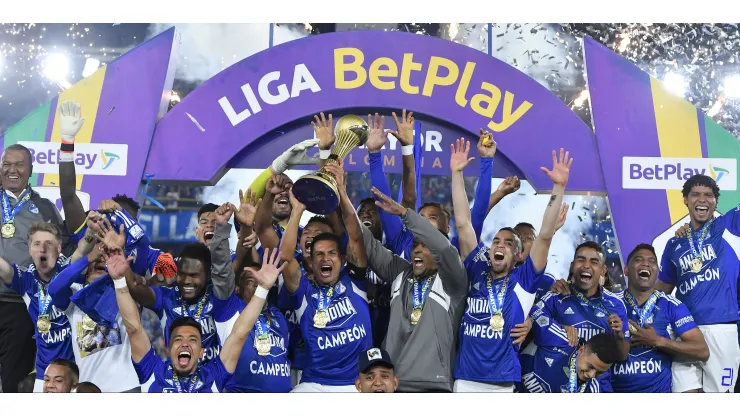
[104, 354]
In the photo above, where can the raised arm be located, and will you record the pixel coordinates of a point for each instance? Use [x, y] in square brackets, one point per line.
[222, 274]
[292, 273]
[508, 186]
[455, 278]
[265, 277]
[465, 233]
[249, 204]
[355, 247]
[486, 150]
[559, 177]
[60, 288]
[263, 216]
[70, 123]
[405, 134]
[386, 265]
[118, 269]
[324, 131]
[392, 226]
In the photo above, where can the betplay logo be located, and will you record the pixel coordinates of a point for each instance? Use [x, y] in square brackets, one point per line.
[89, 158]
[671, 173]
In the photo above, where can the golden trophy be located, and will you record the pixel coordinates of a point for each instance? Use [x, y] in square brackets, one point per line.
[318, 191]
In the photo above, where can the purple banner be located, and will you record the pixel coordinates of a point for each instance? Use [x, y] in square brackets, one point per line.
[232, 119]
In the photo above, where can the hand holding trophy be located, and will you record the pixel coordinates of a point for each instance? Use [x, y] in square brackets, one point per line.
[318, 191]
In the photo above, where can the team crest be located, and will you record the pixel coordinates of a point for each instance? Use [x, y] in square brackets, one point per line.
[543, 321]
[33, 208]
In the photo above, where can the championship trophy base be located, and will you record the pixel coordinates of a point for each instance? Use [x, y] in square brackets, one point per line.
[318, 192]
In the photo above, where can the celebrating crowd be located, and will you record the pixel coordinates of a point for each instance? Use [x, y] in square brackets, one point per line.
[373, 298]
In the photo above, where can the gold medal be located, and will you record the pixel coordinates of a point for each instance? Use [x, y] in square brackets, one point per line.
[262, 345]
[632, 327]
[43, 324]
[88, 324]
[497, 322]
[415, 316]
[696, 264]
[7, 230]
[320, 319]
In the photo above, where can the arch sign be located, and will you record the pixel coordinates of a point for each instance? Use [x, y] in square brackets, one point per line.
[252, 111]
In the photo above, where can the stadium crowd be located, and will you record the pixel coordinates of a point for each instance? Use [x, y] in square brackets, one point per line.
[374, 297]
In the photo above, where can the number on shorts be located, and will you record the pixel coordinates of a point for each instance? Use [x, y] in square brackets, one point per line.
[727, 378]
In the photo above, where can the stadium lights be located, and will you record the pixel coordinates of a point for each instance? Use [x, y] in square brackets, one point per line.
[731, 87]
[675, 83]
[56, 67]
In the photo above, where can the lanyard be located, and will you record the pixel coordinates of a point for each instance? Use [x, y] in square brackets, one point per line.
[595, 304]
[191, 384]
[496, 301]
[573, 376]
[198, 310]
[263, 324]
[420, 295]
[44, 300]
[646, 310]
[696, 251]
[9, 215]
[324, 298]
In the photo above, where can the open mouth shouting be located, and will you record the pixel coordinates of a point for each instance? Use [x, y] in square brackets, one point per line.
[283, 202]
[207, 236]
[325, 270]
[307, 248]
[702, 209]
[498, 256]
[418, 264]
[586, 277]
[184, 357]
[367, 223]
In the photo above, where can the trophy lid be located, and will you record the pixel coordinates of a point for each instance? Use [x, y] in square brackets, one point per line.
[355, 124]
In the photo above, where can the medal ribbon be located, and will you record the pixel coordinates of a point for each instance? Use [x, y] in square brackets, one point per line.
[8, 215]
[696, 251]
[596, 305]
[325, 299]
[44, 300]
[646, 310]
[263, 325]
[496, 301]
[420, 296]
[178, 385]
[573, 376]
[199, 309]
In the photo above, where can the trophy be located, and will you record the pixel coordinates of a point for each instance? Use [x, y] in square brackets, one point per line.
[318, 191]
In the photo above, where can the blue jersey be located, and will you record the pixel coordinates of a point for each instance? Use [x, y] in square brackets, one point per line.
[256, 373]
[296, 345]
[156, 376]
[553, 312]
[279, 231]
[550, 373]
[333, 350]
[484, 355]
[648, 370]
[711, 294]
[57, 343]
[170, 305]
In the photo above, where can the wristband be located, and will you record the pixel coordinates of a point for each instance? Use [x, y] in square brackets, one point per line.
[67, 147]
[407, 150]
[119, 283]
[324, 154]
[261, 292]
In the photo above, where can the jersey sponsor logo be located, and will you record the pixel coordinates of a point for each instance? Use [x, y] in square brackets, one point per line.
[689, 285]
[707, 255]
[270, 369]
[568, 311]
[587, 329]
[211, 352]
[683, 321]
[535, 384]
[341, 309]
[356, 333]
[481, 331]
[639, 367]
[671, 173]
[478, 305]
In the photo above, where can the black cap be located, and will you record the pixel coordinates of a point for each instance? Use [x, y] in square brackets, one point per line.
[372, 357]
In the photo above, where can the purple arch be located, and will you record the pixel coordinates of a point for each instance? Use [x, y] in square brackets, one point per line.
[196, 140]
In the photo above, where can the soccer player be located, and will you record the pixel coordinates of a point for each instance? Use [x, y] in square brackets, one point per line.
[206, 223]
[87, 387]
[376, 372]
[587, 309]
[53, 338]
[573, 372]
[656, 320]
[332, 310]
[500, 295]
[61, 376]
[427, 302]
[703, 267]
[183, 372]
